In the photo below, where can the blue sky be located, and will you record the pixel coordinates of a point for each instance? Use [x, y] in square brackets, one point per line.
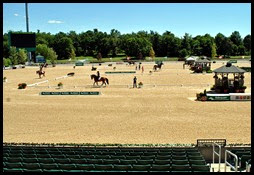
[178, 18]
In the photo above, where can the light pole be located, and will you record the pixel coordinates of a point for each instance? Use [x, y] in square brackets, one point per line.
[27, 23]
[27, 30]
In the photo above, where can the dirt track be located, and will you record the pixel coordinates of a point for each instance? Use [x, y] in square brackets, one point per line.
[161, 112]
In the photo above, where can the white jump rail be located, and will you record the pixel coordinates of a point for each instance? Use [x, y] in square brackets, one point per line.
[227, 163]
[217, 153]
[61, 77]
[35, 84]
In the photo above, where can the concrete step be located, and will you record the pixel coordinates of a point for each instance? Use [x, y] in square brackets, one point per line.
[215, 167]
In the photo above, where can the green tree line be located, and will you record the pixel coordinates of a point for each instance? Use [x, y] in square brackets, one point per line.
[138, 45]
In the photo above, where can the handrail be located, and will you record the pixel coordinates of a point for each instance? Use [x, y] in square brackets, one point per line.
[248, 166]
[227, 163]
[218, 154]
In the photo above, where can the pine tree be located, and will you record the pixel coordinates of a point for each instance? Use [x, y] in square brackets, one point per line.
[13, 55]
[213, 52]
[22, 56]
[152, 53]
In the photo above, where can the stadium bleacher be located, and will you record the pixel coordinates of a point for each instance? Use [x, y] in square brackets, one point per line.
[86, 159]
[112, 159]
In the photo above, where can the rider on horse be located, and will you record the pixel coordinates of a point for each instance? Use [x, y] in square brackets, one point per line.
[98, 75]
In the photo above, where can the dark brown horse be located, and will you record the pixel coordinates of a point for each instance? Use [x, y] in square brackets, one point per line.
[157, 66]
[40, 73]
[103, 79]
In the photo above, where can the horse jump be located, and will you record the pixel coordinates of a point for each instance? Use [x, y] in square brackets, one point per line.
[61, 77]
[35, 84]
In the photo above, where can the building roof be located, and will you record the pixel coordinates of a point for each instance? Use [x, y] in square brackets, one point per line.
[204, 60]
[229, 68]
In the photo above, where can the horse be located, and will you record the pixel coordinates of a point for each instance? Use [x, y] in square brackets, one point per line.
[103, 79]
[157, 66]
[131, 62]
[93, 68]
[40, 73]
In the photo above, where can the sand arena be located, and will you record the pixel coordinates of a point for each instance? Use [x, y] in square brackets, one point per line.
[163, 111]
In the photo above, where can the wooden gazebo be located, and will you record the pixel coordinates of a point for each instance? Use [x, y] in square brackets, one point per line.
[201, 65]
[229, 79]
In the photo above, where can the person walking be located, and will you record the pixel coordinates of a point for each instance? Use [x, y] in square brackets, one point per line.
[135, 82]
[142, 69]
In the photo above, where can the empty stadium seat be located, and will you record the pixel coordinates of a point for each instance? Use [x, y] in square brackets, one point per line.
[132, 157]
[18, 170]
[147, 157]
[122, 167]
[200, 168]
[103, 167]
[102, 157]
[14, 159]
[69, 166]
[196, 158]
[110, 161]
[162, 162]
[29, 155]
[86, 167]
[144, 162]
[164, 168]
[127, 161]
[78, 161]
[197, 162]
[179, 157]
[30, 160]
[180, 162]
[140, 168]
[159, 157]
[46, 166]
[13, 165]
[31, 166]
[32, 170]
[150, 153]
[94, 161]
[180, 168]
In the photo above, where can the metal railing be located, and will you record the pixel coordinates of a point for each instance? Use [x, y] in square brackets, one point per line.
[227, 163]
[217, 153]
[248, 166]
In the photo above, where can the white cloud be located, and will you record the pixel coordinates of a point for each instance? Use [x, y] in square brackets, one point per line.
[15, 14]
[55, 22]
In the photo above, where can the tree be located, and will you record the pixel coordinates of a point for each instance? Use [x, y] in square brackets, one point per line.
[113, 42]
[63, 48]
[42, 49]
[234, 49]
[152, 53]
[155, 38]
[52, 55]
[48, 53]
[219, 41]
[73, 55]
[183, 53]
[133, 45]
[22, 56]
[241, 50]
[247, 43]
[186, 43]
[13, 55]
[169, 44]
[99, 57]
[235, 37]
[213, 52]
